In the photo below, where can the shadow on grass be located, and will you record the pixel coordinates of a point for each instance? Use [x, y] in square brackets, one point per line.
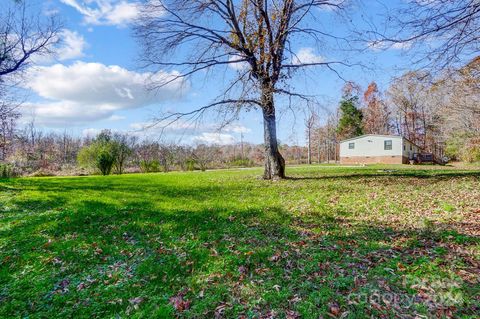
[128, 187]
[422, 174]
[90, 259]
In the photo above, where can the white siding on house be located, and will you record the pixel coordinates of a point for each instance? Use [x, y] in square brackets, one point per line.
[372, 145]
[409, 149]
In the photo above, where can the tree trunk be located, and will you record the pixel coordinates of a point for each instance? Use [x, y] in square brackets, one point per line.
[274, 162]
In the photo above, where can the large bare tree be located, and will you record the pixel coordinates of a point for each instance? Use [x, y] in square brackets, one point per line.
[256, 37]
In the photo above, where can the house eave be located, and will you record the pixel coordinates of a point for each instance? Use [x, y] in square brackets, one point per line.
[379, 135]
[366, 135]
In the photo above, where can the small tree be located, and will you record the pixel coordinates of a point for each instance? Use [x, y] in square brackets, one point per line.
[166, 157]
[104, 161]
[351, 117]
[376, 116]
[122, 149]
[310, 122]
[101, 154]
[204, 155]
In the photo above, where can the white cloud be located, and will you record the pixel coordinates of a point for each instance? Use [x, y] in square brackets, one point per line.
[237, 128]
[123, 12]
[63, 114]
[196, 133]
[402, 45]
[106, 12]
[307, 56]
[84, 92]
[382, 45]
[179, 126]
[117, 118]
[188, 127]
[334, 5]
[73, 45]
[49, 9]
[91, 132]
[214, 138]
[178, 131]
[376, 45]
[238, 66]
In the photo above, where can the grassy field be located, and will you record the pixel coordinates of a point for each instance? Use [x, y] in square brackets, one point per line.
[372, 242]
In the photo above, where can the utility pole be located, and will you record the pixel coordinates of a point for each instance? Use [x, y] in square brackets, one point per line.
[328, 151]
[319, 146]
[234, 149]
[309, 145]
[336, 149]
[241, 144]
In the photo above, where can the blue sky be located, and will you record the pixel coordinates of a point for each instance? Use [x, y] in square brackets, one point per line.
[96, 81]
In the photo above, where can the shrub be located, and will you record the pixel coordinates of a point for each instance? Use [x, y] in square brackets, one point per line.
[239, 162]
[98, 156]
[463, 147]
[8, 171]
[150, 166]
[455, 145]
[471, 151]
[42, 173]
[105, 153]
[190, 165]
[104, 161]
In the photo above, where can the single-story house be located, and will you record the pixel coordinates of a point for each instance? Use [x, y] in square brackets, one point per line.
[382, 149]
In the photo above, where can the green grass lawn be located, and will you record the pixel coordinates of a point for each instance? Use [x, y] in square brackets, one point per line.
[327, 242]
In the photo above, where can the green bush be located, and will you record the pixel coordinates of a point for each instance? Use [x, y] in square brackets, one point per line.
[104, 161]
[464, 147]
[190, 165]
[150, 166]
[8, 171]
[239, 162]
[100, 155]
[455, 145]
[107, 152]
[42, 173]
[471, 151]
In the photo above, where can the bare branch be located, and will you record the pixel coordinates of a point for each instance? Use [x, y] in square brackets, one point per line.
[441, 33]
[23, 37]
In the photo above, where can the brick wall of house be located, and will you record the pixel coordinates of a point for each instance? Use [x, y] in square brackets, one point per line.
[374, 160]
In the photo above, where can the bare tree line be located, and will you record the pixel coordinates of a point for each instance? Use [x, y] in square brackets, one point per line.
[438, 112]
[36, 152]
[23, 36]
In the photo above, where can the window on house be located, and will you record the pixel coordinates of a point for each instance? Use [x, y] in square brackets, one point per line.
[404, 148]
[387, 145]
[411, 148]
[351, 146]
